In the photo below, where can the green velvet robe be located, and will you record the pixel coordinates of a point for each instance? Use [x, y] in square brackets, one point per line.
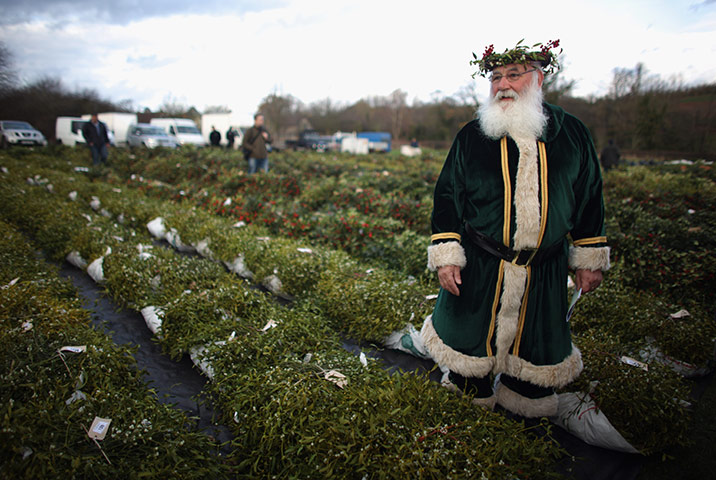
[509, 318]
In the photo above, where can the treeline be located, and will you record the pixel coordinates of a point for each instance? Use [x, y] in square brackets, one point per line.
[644, 113]
[640, 112]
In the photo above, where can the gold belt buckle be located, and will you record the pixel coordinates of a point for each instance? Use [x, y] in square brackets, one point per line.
[533, 252]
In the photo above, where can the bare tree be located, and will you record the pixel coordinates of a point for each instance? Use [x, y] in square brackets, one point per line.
[398, 107]
[280, 112]
[467, 95]
[217, 109]
[8, 76]
[555, 87]
[173, 107]
[43, 100]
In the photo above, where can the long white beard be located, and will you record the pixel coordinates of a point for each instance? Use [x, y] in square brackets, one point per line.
[522, 118]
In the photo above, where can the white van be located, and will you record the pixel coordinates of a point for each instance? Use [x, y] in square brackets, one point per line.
[222, 122]
[68, 131]
[183, 129]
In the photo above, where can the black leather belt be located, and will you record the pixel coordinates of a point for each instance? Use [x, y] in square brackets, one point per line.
[521, 258]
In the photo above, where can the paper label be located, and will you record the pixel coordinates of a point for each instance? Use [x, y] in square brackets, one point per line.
[269, 325]
[575, 297]
[680, 314]
[635, 363]
[337, 377]
[74, 349]
[99, 428]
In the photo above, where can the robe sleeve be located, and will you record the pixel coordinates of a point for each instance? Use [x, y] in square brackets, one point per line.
[589, 250]
[447, 216]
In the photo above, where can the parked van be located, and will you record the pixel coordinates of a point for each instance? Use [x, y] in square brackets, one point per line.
[68, 130]
[183, 129]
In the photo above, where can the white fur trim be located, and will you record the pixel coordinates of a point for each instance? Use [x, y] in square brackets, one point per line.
[487, 403]
[446, 253]
[556, 376]
[465, 365]
[589, 258]
[513, 288]
[524, 406]
[527, 206]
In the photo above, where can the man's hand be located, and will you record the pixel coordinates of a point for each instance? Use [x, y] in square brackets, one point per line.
[588, 280]
[449, 276]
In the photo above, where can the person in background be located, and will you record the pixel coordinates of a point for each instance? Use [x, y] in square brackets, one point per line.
[214, 137]
[95, 134]
[255, 145]
[518, 183]
[230, 136]
[610, 156]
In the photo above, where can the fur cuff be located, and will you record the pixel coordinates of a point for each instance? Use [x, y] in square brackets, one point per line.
[524, 406]
[446, 253]
[589, 258]
[486, 403]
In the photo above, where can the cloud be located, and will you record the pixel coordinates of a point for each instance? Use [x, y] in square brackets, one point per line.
[149, 61]
[235, 53]
[120, 12]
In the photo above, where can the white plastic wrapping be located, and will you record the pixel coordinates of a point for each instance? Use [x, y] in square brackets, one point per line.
[407, 340]
[578, 414]
[153, 319]
[239, 267]
[74, 258]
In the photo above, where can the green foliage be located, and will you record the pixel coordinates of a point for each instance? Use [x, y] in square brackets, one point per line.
[50, 398]
[632, 315]
[663, 227]
[646, 407]
[344, 240]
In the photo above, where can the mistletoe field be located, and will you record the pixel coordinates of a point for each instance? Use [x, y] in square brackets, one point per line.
[260, 277]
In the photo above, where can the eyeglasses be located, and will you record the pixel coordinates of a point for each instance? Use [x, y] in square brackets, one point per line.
[511, 77]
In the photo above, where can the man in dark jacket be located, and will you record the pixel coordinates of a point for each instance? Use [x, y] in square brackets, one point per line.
[255, 144]
[230, 136]
[95, 134]
[214, 137]
[610, 156]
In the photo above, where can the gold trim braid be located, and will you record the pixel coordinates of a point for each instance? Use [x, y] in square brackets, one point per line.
[508, 192]
[495, 303]
[543, 190]
[589, 241]
[523, 313]
[447, 235]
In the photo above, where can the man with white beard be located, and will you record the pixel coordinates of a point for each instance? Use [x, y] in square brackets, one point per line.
[519, 183]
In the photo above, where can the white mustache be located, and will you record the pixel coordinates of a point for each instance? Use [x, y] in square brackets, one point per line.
[506, 94]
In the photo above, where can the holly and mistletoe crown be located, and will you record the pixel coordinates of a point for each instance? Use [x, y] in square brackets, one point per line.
[520, 54]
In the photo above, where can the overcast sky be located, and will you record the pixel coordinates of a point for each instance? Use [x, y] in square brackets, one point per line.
[234, 53]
